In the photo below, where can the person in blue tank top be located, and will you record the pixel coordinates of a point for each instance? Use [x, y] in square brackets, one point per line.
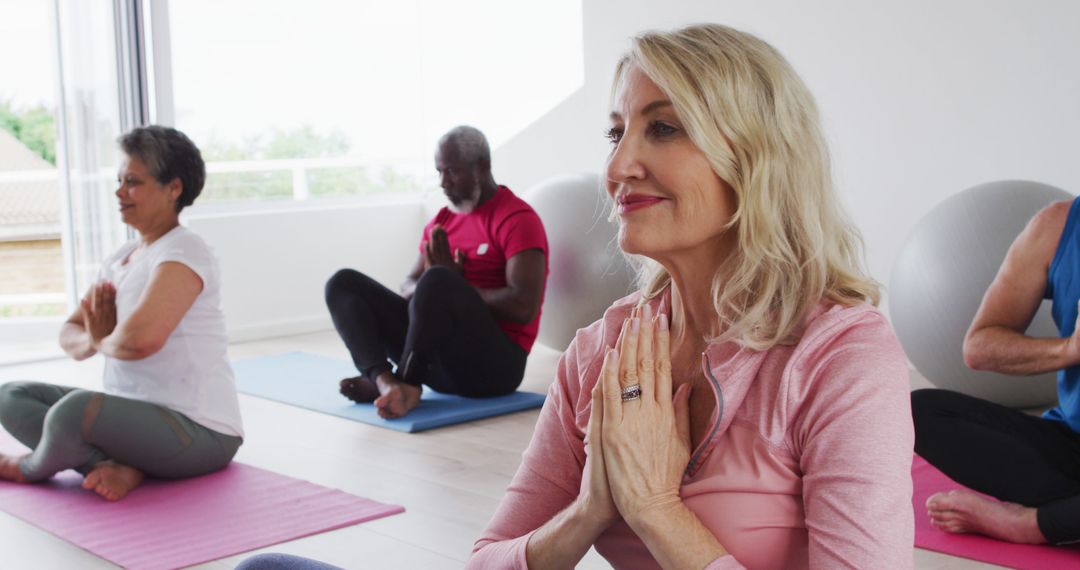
[1031, 463]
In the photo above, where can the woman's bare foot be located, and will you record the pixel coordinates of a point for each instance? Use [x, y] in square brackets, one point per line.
[397, 399]
[9, 468]
[965, 512]
[112, 480]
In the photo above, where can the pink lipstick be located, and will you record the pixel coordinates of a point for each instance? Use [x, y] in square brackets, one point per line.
[630, 202]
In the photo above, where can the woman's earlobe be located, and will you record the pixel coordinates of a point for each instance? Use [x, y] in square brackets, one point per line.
[176, 189]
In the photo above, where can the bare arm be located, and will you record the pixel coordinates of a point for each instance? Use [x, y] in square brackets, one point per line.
[677, 538]
[409, 286]
[996, 339]
[519, 301]
[171, 292]
[564, 540]
[74, 339]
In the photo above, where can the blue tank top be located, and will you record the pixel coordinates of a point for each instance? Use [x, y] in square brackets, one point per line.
[1063, 286]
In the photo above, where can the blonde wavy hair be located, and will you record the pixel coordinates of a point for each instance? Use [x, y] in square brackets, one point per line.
[754, 119]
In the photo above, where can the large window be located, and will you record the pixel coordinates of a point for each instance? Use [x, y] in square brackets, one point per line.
[290, 101]
[67, 100]
[302, 100]
[32, 278]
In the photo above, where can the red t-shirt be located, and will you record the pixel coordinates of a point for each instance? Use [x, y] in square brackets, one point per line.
[491, 234]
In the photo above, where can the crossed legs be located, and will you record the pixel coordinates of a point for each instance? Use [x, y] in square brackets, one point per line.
[112, 441]
[1030, 463]
[444, 337]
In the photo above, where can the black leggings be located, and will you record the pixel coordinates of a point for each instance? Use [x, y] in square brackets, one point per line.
[1003, 453]
[444, 337]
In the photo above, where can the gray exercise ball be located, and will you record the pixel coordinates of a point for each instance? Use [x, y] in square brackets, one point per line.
[945, 267]
[588, 271]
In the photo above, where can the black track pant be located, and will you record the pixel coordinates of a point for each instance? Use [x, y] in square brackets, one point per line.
[444, 337]
[1003, 453]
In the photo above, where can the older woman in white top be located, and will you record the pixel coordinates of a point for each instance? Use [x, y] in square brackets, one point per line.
[169, 407]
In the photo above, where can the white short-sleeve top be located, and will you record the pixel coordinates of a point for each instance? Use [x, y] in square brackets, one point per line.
[191, 372]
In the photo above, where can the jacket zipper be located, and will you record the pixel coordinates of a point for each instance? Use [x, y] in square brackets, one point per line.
[719, 416]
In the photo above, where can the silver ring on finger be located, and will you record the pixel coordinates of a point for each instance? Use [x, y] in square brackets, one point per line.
[632, 392]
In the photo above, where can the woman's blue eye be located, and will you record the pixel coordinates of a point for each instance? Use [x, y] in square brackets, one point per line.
[662, 129]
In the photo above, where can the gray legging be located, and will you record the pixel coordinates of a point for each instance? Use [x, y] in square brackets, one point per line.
[68, 428]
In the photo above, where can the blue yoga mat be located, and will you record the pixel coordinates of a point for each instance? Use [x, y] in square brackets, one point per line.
[311, 381]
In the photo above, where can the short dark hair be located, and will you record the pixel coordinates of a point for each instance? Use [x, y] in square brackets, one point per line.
[168, 154]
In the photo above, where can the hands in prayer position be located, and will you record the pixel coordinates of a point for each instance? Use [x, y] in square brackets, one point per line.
[640, 446]
[98, 309]
[437, 252]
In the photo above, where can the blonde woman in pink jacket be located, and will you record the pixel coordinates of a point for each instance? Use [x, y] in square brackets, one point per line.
[749, 406]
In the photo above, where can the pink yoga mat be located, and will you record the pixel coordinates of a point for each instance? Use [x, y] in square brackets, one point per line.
[928, 480]
[171, 524]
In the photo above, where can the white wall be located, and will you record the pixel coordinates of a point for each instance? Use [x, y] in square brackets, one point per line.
[275, 263]
[556, 143]
[920, 98]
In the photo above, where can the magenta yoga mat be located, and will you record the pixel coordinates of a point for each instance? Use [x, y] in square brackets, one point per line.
[928, 480]
[171, 524]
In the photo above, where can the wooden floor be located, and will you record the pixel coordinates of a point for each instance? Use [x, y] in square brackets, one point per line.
[449, 479]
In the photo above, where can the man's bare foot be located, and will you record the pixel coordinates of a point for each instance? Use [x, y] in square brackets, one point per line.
[965, 512]
[112, 480]
[9, 468]
[397, 399]
[359, 389]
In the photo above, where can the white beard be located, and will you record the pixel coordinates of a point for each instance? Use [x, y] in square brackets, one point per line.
[469, 204]
[462, 208]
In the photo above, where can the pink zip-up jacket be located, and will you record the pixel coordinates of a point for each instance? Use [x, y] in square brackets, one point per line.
[806, 462]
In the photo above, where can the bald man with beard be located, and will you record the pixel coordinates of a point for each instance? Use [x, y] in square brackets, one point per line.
[469, 310]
